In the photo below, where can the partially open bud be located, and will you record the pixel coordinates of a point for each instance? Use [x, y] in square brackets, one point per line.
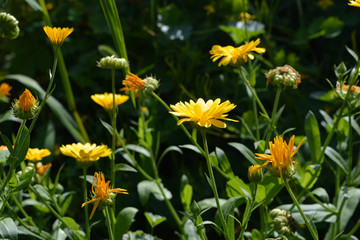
[255, 173]
[283, 76]
[112, 62]
[284, 222]
[8, 26]
[26, 107]
[145, 86]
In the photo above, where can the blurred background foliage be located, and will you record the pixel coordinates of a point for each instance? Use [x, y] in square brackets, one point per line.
[171, 41]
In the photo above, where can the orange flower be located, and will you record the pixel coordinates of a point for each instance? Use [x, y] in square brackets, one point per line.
[5, 89]
[3, 147]
[41, 169]
[134, 83]
[26, 101]
[102, 193]
[26, 107]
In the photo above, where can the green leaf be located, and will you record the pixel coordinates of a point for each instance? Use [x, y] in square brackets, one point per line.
[42, 192]
[8, 116]
[224, 162]
[145, 188]
[24, 181]
[246, 152]
[139, 235]
[154, 219]
[138, 149]
[71, 223]
[34, 5]
[191, 147]
[231, 204]
[124, 220]
[66, 204]
[169, 149]
[62, 114]
[213, 159]
[306, 174]
[352, 53]
[322, 194]
[4, 154]
[313, 136]
[351, 197]
[186, 192]
[238, 35]
[8, 229]
[124, 167]
[268, 188]
[236, 187]
[7, 142]
[337, 159]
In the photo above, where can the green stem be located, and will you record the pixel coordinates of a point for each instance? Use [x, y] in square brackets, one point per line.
[350, 148]
[247, 214]
[312, 232]
[213, 184]
[273, 114]
[86, 208]
[18, 204]
[109, 223]
[256, 119]
[6, 181]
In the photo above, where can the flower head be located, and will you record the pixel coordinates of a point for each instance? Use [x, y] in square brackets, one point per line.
[112, 62]
[245, 16]
[280, 157]
[355, 3]
[106, 100]
[102, 193]
[26, 107]
[138, 85]
[35, 154]
[4, 92]
[204, 114]
[57, 35]
[283, 76]
[9, 26]
[86, 153]
[255, 173]
[40, 169]
[238, 55]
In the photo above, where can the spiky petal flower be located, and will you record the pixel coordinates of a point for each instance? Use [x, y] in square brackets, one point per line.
[355, 3]
[57, 35]
[36, 154]
[4, 92]
[102, 193]
[204, 113]
[86, 153]
[280, 157]
[236, 56]
[106, 100]
[26, 107]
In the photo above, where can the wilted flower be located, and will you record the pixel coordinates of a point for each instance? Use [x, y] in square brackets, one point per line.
[102, 194]
[86, 153]
[9, 26]
[26, 107]
[138, 85]
[106, 100]
[283, 76]
[35, 154]
[238, 55]
[112, 62]
[57, 35]
[4, 92]
[355, 3]
[204, 114]
[280, 157]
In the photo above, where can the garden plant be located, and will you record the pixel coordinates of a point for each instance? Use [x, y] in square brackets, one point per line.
[230, 119]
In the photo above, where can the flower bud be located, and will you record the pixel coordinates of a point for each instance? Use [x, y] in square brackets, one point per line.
[283, 76]
[284, 222]
[26, 107]
[286, 172]
[151, 84]
[8, 26]
[341, 69]
[112, 62]
[255, 173]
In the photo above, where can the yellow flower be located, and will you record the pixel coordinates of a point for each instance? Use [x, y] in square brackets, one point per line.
[355, 3]
[5, 89]
[324, 4]
[204, 114]
[255, 173]
[35, 154]
[106, 100]
[281, 157]
[85, 154]
[57, 35]
[102, 193]
[244, 16]
[238, 55]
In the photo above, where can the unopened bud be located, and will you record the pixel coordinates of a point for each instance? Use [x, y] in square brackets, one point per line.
[255, 173]
[283, 76]
[8, 26]
[151, 84]
[112, 62]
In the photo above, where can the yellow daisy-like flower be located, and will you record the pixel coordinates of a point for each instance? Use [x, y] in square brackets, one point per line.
[355, 3]
[204, 114]
[86, 153]
[35, 154]
[102, 193]
[238, 55]
[280, 157]
[106, 100]
[57, 35]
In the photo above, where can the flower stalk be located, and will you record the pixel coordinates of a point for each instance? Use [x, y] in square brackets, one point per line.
[86, 209]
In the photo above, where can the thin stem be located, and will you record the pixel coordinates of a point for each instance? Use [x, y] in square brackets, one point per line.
[86, 209]
[247, 214]
[311, 195]
[109, 223]
[312, 232]
[256, 119]
[350, 148]
[213, 184]
[18, 204]
[353, 230]
[7, 179]
[273, 114]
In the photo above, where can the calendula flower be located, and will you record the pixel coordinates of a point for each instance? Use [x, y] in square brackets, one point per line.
[36, 154]
[26, 107]
[280, 157]
[255, 173]
[102, 194]
[106, 100]
[4, 92]
[57, 35]
[283, 76]
[138, 85]
[204, 114]
[40, 169]
[86, 153]
[239, 55]
[355, 3]
[324, 4]
[112, 62]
